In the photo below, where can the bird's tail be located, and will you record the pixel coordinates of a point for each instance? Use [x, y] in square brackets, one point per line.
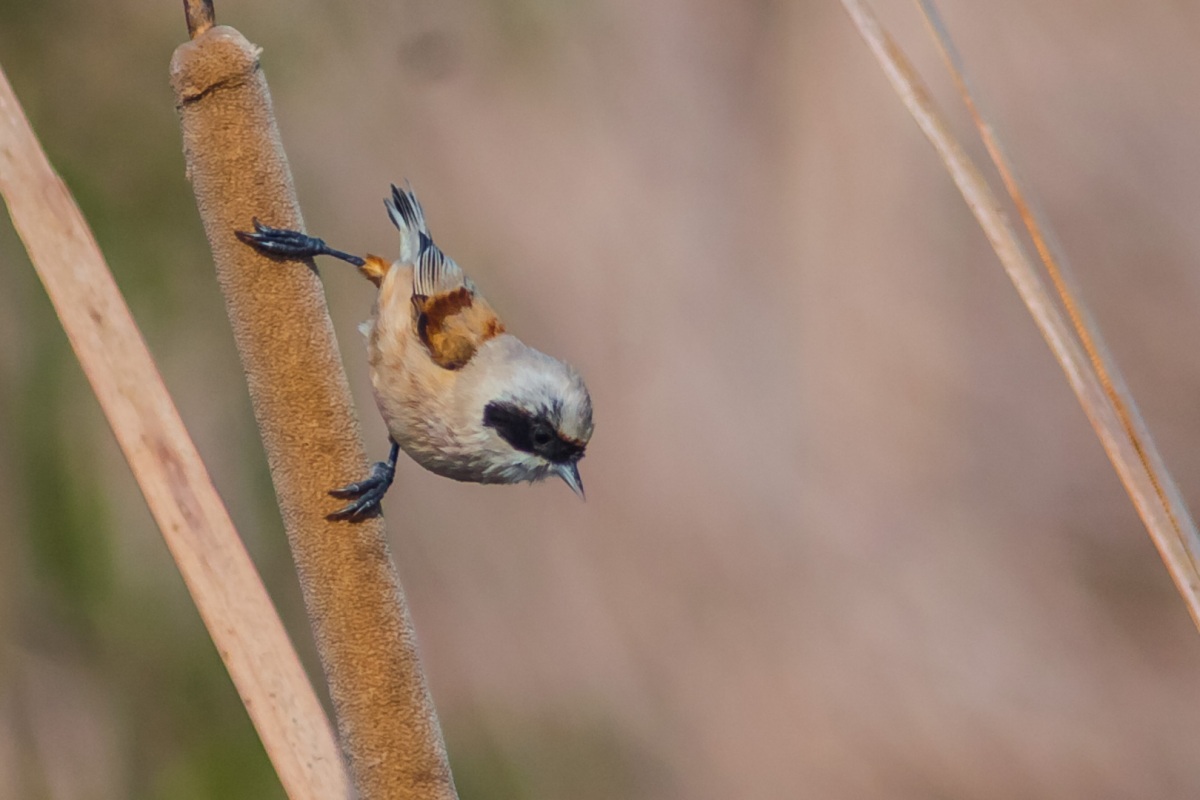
[408, 217]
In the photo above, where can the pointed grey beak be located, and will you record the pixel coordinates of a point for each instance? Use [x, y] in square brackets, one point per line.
[570, 475]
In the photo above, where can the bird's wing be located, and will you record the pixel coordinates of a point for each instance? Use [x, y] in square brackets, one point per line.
[451, 318]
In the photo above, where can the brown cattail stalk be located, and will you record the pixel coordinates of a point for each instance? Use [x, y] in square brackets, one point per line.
[301, 400]
[214, 564]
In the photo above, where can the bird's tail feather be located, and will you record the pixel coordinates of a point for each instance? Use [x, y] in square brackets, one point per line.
[409, 218]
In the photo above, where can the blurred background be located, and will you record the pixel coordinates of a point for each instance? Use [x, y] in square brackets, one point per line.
[848, 534]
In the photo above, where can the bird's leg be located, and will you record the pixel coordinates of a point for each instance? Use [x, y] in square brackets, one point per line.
[367, 493]
[292, 244]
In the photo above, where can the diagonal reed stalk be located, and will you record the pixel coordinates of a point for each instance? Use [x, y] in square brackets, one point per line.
[1074, 337]
[211, 558]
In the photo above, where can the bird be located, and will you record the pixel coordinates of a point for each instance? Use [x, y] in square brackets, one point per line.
[459, 394]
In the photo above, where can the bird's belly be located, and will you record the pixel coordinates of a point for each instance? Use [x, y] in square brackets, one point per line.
[424, 432]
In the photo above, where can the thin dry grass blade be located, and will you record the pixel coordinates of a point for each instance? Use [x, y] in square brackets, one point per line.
[1057, 267]
[210, 555]
[1088, 367]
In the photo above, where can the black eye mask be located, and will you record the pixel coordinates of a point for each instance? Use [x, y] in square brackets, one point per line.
[531, 433]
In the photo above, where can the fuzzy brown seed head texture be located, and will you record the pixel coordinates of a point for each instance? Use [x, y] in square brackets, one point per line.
[302, 403]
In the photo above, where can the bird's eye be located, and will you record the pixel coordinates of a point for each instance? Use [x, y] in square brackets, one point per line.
[542, 436]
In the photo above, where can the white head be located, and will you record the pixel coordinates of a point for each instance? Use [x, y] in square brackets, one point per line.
[534, 413]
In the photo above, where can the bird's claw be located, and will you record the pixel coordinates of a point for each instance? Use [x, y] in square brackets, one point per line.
[282, 242]
[365, 494]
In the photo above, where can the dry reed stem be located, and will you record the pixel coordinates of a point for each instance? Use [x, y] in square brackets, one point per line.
[1090, 371]
[200, 16]
[214, 564]
[1182, 526]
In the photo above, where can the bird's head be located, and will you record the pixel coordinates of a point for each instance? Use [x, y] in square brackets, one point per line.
[537, 418]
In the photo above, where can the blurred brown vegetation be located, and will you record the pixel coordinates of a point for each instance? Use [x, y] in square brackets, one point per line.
[848, 534]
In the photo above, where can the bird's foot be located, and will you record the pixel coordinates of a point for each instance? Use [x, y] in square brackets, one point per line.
[282, 242]
[367, 494]
[291, 244]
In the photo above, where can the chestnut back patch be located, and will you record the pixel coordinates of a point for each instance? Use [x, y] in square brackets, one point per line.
[452, 325]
